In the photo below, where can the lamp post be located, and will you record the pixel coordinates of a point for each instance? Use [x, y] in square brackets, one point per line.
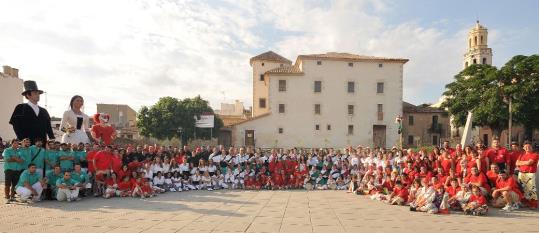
[508, 99]
[180, 132]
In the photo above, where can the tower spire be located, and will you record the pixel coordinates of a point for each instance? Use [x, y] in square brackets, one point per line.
[478, 50]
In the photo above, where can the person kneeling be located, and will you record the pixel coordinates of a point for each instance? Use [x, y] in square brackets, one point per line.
[67, 188]
[30, 184]
[477, 204]
[506, 193]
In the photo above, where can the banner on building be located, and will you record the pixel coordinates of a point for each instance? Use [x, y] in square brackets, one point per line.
[204, 121]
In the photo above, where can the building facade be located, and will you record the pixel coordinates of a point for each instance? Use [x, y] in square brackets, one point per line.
[323, 100]
[478, 50]
[11, 87]
[424, 125]
[123, 118]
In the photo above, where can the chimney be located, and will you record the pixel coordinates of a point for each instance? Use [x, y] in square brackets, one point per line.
[15, 72]
[7, 70]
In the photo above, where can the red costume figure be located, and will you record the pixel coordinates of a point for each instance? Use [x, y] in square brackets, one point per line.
[102, 131]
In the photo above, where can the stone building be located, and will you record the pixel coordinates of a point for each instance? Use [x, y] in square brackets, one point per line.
[11, 87]
[424, 125]
[323, 100]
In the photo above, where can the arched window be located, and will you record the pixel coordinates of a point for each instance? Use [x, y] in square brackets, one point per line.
[474, 61]
[484, 60]
[475, 40]
[466, 65]
[481, 39]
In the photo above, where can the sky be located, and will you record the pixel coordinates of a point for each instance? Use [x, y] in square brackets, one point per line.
[136, 51]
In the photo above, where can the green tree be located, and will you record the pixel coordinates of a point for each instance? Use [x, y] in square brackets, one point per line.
[520, 82]
[477, 89]
[164, 119]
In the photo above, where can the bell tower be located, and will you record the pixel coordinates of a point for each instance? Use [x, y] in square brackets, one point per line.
[478, 50]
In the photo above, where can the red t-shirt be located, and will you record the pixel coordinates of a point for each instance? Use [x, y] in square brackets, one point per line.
[509, 182]
[109, 182]
[481, 179]
[90, 157]
[513, 157]
[498, 155]
[401, 192]
[480, 199]
[116, 163]
[125, 186]
[452, 191]
[492, 176]
[103, 160]
[446, 165]
[527, 157]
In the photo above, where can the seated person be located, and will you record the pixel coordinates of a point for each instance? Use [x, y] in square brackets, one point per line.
[506, 192]
[477, 204]
[30, 184]
[67, 189]
[399, 196]
[82, 178]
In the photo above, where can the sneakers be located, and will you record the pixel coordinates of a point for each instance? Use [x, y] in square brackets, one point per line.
[516, 206]
[68, 199]
[507, 208]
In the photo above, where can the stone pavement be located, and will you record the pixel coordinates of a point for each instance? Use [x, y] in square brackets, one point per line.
[293, 211]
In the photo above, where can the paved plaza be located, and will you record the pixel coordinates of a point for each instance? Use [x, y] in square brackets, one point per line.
[249, 211]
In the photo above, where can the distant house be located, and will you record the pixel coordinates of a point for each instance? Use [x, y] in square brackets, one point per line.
[424, 125]
[123, 118]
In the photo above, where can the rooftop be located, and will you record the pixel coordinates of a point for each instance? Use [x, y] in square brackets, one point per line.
[269, 56]
[408, 107]
[350, 57]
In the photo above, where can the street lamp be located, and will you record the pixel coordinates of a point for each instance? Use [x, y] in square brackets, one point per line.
[508, 99]
[180, 132]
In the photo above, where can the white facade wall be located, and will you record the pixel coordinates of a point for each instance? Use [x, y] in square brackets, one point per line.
[299, 120]
[10, 95]
[260, 88]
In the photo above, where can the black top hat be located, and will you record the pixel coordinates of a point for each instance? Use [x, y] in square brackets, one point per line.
[30, 86]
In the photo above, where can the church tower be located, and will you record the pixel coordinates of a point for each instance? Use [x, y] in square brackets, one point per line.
[478, 51]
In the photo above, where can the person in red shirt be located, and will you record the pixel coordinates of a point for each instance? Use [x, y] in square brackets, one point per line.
[90, 158]
[527, 166]
[447, 148]
[492, 174]
[478, 179]
[477, 204]
[514, 154]
[125, 188]
[399, 194]
[498, 155]
[506, 193]
[453, 188]
[102, 164]
[116, 161]
[446, 162]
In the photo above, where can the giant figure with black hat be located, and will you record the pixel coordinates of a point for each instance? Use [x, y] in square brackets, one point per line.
[30, 120]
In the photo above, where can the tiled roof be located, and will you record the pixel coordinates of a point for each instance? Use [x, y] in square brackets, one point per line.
[285, 70]
[251, 119]
[350, 57]
[269, 56]
[408, 107]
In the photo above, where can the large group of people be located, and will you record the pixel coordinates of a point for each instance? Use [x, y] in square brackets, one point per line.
[468, 179]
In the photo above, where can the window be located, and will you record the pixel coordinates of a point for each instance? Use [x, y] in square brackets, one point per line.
[350, 129]
[380, 87]
[280, 130]
[380, 108]
[380, 65]
[485, 139]
[380, 113]
[474, 61]
[351, 87]
[350, 109]
[317, 109]
[351, 64]
[329, 127]
[262, 102]
[475, 40]
[481, 39]
[484, 60]
[319, 63]
[317, 86]
[435, 140]
[435, 119]
[281, 108]
[281, 65]
[410, 120]
[282, 85]
[410, 139]
[261, 77]
[466, 64]
[262, 63]
[317, 127]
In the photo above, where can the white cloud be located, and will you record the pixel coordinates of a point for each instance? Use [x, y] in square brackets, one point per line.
[134, 52]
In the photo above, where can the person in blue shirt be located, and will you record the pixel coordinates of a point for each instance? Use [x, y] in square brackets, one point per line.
[51, 156]
[12, 169]
[30, 184]
[82, 178]
[66, 157]
[26, 155]
[52, 177]
[38, 157]
[67, 188]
